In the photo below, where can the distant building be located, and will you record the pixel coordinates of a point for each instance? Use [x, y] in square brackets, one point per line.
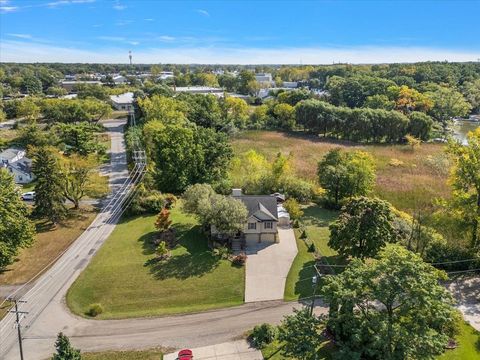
[119, 79]
[290, 84]
[199, 90]
[123, 101]
[17, 164]
[164, 75]
[264, 78]
[70, 85]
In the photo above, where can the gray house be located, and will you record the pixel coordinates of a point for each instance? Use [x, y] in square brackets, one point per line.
[17, 164]
[262, 219]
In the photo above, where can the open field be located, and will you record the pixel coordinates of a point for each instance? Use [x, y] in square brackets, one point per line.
[127, 280]
[316, 221]
[404, 177]
[49, 243]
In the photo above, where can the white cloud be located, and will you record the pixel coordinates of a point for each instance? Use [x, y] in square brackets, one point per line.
[133, 43]
[111, 38]
[24, 51]
[149, 19]
[119, 6]
[123, 22]
[166, 38]
[8, 9]
[68, 2]
[21, 36]
[203, 12]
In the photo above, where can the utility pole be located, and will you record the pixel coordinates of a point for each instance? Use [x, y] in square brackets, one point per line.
[314, 286]
[19, 330]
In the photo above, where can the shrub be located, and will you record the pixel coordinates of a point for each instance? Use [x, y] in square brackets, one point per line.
[293, 208]
[263, 335]
[311, 247]
[222, 252]
[239, 259]
[304, 235]
[148, 202]
[296, 224]
[94, 310]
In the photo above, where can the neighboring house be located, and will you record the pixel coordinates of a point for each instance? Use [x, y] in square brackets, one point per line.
[290, 84]
[71, 85]
[262, 219]
[123, 101]
[164, 75]
[16, 163]
[119, 79]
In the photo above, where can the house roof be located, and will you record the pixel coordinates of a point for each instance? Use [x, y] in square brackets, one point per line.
[10, 153]
[126, 98]
[262, 207]
[24, 165]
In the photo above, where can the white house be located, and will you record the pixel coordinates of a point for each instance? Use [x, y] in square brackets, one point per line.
[199, 90]
[164, 75]
[16, 163]
[290, 84]
[123, 101]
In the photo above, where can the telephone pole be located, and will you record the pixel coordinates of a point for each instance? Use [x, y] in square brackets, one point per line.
[19, 330]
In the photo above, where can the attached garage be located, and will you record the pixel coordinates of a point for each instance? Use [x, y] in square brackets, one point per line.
[283, 217]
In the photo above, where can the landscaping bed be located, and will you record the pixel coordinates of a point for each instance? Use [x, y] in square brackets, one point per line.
[128, 281]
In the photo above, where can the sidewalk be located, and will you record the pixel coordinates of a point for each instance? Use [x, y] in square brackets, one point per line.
[235, 350]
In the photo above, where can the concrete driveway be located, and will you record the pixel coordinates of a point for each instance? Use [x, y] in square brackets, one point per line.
[235, 350]
[267, 267]
[466, 291]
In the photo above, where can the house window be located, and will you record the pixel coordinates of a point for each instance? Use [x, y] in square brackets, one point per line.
[252, 226]
[268, 225]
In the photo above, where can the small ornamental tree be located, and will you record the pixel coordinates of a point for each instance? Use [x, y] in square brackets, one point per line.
[364, 226]
[163, 221]
[64, 350]
[293, 208]
[162, 250]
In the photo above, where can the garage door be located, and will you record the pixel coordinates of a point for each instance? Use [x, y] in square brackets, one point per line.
[268, 238]
[251, 240]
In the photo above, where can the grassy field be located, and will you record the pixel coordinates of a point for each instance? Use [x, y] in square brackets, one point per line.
[127, 280]
[404, 177]
[316, 221]
[273, 351]
[124, 355]
[49, 243]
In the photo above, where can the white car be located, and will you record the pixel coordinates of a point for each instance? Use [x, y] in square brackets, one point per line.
[28, 196]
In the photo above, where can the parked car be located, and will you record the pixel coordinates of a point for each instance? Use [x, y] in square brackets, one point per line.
[28, 196]
[185, 354]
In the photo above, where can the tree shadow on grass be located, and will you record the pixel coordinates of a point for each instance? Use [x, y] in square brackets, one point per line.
[303, 287]
[196, 262]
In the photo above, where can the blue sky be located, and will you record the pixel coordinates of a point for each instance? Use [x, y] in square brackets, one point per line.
[239, 31]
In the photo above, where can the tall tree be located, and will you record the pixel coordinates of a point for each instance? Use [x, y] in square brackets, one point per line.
[465, 180]
[345, 174]
[16, 230]
[390, 308]
[80, 178]
[364, 226]
[64, 350]
[300, 333]
[49, 189]
[448, 103]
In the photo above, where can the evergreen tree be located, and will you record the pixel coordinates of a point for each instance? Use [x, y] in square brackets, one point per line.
[49, 196]
[64, 350]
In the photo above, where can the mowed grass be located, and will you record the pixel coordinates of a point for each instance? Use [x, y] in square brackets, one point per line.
[273, 351]
[127, 281]
[468, 345]
[153, 354]
[299, 280]
[48, 244]
[405, 178]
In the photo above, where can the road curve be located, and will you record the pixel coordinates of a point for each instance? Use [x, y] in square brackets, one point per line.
[49, 315]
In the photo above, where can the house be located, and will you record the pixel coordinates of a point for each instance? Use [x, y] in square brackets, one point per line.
[290, 84]
[164, 75]
[71, 85]
[262, 219]
[123, 101]
[17, 164]
[119, 79]
[264, 78]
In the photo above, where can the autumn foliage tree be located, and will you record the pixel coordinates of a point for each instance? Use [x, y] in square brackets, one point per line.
[163, 221]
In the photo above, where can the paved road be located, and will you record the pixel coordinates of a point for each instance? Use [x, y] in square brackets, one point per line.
[48, 313]
[46, 296]
[267, 267]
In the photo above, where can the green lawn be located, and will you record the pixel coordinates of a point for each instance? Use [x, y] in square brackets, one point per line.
[316, 221]
[127, 281]
[124, 355]
[469, 345]
[273, 351]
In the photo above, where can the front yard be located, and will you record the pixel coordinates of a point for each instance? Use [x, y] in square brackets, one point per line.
[299, 280]
[127, 281]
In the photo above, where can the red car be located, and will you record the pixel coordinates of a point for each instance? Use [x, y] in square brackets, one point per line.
[185, 354]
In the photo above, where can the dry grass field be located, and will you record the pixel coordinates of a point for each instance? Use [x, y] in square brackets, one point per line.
[405, 177]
